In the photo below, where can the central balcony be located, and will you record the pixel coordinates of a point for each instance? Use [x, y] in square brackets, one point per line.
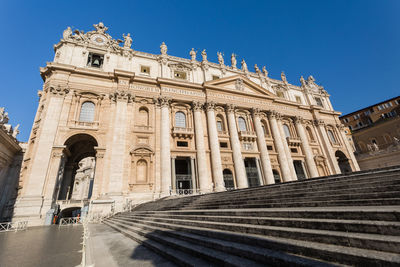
[293, 141]
[182, 132]
[249, 136]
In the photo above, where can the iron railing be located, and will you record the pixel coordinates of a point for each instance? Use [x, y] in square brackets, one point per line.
[70, 220]
[185, 191]
[13, 226]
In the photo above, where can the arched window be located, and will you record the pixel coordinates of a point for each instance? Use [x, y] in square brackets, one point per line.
[242, 124]
[180, 119]
[331, 136]
[265, 129]
[143, 119]
[310, 134]
[141, 171]
[286, 130]
[87, 112]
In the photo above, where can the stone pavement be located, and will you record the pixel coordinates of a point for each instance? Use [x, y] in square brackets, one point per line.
[47, 246]
[109, 248]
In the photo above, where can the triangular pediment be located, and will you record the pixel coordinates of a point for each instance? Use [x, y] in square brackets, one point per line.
[238, 83]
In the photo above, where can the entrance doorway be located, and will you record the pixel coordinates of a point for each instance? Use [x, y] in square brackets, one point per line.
[277, 177]
[343, 162]
[183, 174]
[252, 172]
[298, 167]
[228, 179]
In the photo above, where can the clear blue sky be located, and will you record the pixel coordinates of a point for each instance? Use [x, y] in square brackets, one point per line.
[351, 47]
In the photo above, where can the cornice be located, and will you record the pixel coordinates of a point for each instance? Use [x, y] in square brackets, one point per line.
[162, 81]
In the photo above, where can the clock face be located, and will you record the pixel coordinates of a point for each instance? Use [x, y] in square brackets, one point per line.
[98, 39]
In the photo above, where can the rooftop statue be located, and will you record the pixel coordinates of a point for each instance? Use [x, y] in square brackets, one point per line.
[257, 69]
[302, 81]
[100, 28]
[264, 69]
[67, 33]
[15, 131]
[233, 61]
[192, 54]
[204, 55]
[283, 77]
[244, 66]
[3, 116]
[220, 58]
[127, 40]
[163, 49]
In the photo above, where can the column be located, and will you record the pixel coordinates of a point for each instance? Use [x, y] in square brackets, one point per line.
[165, 147]
[312, 168]
[193, 173]
[260, 174]
[173, 175]
[283, 162]
[348, 147]
[287, 151]
[216, 164]
[99, 180]
[56, 171]
[204, 179]
[240, 170]
[327, 145]
[262, 147]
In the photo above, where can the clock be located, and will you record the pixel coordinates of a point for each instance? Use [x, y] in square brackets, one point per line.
[98, 39]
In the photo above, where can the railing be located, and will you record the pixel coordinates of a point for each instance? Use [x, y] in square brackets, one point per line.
[13, 226]
[293, 141]
[223, 133]
[186, 191]
[70, 220]
[182, 132]
[180, 177]
[247, 135]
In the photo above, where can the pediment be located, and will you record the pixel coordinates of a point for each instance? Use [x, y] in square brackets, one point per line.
[238, 83]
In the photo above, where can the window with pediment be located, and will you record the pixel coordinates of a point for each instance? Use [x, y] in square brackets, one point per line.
[87, 112]
[180, 119]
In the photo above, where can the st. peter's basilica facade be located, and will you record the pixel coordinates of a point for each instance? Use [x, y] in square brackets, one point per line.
[116, 127]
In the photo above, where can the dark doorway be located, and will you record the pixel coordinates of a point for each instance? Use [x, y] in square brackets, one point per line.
[228, 179]
[252, 172]
[343, 162]
[183, 176]
[277, 177]
[298, 167]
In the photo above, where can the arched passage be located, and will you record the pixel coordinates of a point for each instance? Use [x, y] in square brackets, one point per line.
[78, 174]
[343, 161]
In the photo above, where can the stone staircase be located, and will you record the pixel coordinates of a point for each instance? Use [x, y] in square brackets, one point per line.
[336, 220]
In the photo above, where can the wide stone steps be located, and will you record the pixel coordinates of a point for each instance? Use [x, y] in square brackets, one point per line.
[297, 248]
[360, 226]
[343, 219]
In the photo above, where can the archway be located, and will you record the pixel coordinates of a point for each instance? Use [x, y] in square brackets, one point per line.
[77, 180]
[343, 161]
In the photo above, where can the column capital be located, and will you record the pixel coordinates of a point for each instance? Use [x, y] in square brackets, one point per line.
[122, 96]
[340, 126]
[272, 114]
[298, 119]
[318, 122]
[197, 105]
[256, 112]
[210, 105]
[59, 90]
[230, 108]
[164, 101]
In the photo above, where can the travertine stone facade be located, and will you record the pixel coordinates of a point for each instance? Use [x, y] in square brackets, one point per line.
[159, 125]
[11, 153]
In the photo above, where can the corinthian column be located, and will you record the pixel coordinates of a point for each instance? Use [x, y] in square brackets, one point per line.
[204, 181]
[287, 151]
[283, 162]
[327, 145]
[240, 171]
[312, 168]
[165, 147]
[262, 146]
[216, 164]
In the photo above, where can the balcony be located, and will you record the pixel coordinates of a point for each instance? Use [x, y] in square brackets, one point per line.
[223, 133]
[182, 132]
[248, 136]
[293, 141]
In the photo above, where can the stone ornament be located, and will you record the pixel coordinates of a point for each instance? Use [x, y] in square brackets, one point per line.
[302, 82]
[233, 61]
[220, 58]
[257, 70]
[122, 95]
[204, 55]
[210, 105]
[272, 114]
[244, 66]
[127, 40]
[319, 122]
[283, 77]
[264, 70]
[239, 85]
[59, 91]
[163, 49]
[3, 116]
[193, 54]
[164, 101]
[230, 108]
[196, 105]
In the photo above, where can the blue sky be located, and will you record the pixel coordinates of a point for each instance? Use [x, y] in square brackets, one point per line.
[351, 47]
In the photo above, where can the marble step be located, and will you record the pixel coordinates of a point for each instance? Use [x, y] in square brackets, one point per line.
[381, 213]
[207, 255]
[361, 240]
[359, 226]
[327, 252]
[244, 251]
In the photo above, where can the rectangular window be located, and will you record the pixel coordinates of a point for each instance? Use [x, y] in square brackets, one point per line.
[145, 69]
[367, 113]
[219, 126]
[248, 146]
[293, 150]
[346, 120]
[180, 75]
[298, 99]
[215, 77]
[223, 144]
[357, 116]
[95, 60]
[319, 102]
[397, 101]
[270, 148]
[182, 144]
